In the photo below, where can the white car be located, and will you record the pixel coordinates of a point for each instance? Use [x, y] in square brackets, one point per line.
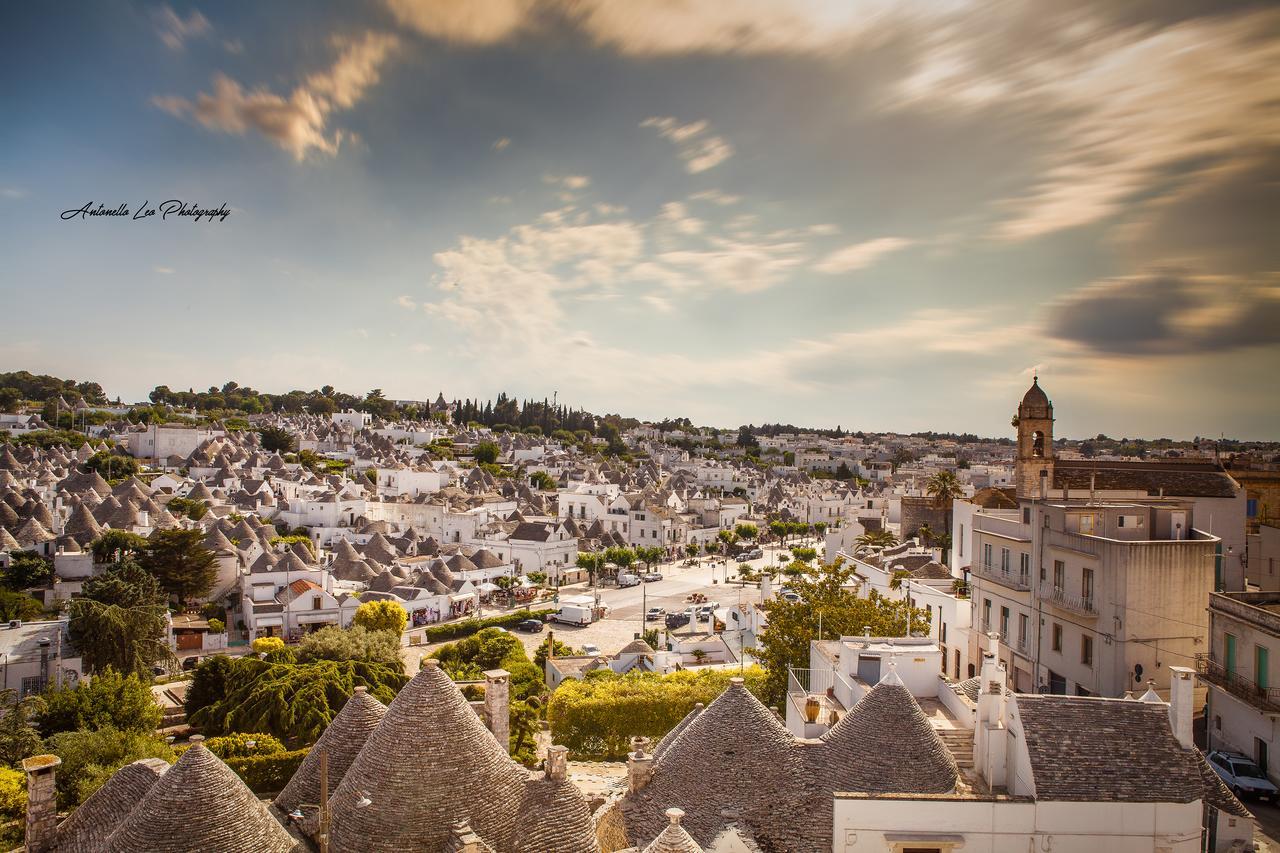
[590, 649]
[1243, 777]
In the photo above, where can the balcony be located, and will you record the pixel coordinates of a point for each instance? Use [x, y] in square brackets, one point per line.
[1013, 580]
[1066, 601]
[1265, 699]
[829, 683]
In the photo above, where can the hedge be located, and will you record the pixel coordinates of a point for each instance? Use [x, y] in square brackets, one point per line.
[268, 774]
[467, 627]
[597, 717]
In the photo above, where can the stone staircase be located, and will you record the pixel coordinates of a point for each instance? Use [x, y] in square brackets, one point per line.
[960, 744]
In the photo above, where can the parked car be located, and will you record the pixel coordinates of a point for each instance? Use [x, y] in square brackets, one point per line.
[626, 580]
[654, 613]
[756, 554]
[651, 577]
[790, 596]
[590, 649]
[530, 626]
[677, 620]
[190, 663]
[1243, 777]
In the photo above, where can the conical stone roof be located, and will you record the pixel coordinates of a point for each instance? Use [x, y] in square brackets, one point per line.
[430, 762]
[200, 805]
[342, 740]
[89, 826]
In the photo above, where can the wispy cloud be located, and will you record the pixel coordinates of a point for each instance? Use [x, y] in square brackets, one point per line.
[163, 270]
[12, 193]
[407, 303]
[501, 144]
[699, 149]
[298, 123]
[175, 31]
[860, 255]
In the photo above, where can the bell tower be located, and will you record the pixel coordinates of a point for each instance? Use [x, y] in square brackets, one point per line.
[1034, 467]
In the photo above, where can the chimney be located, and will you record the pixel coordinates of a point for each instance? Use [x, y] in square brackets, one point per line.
[639, 764]
[557, 762]
[42, 803]
[1182, 685]
[497, 705]
[766, 587]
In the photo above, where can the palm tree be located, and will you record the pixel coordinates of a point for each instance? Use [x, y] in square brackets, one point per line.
[944, 486]
[925, 534]
[875, 539]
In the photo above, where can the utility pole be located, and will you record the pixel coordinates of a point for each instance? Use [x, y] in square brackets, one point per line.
[324, 801]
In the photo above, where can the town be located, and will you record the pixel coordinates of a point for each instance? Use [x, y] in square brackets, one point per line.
[356, 623]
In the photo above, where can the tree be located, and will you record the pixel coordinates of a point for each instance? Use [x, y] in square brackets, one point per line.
[208, 682]
[540, 654]
[18, 605]
[827, 595]
[90, 757]
[178, 558]
[486, 452]
[354, 643]
[944, 486]
[507, 584]
[13, 806]
[113, 465]
[746, 530]
[119, 621]
[844, 472]
[276, 439]
[27, 569]
[381, 616]
[116, 545]
[650, 555]
[875, 539]
[267, 645]
[193, 510]
[110, 700]
[590, 563]
[692, 549]
[620, 557]
[804, 555]
[292, 701]
[18, 738]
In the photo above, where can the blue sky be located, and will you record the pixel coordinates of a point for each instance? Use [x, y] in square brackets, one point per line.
[881, 215]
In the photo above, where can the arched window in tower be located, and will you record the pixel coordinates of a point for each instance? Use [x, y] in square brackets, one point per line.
[1037, 443]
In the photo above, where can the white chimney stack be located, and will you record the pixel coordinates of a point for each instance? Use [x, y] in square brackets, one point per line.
[1182, 685]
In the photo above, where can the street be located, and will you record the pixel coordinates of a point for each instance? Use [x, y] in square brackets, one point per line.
[627, 607]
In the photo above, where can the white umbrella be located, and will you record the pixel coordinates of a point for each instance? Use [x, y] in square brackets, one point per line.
[488, 587]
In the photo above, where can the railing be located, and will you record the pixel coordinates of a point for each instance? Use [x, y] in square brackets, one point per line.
[1013, 580]
[1265, 698]
[1067, 601]
[802, 682]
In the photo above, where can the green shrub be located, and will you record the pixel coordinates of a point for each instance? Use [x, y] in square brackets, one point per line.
[89, 759]
[110, 700]
[268, 774]
[237, 745]
[467, 627]
[13, 807]
[596, 718]
[216, 626]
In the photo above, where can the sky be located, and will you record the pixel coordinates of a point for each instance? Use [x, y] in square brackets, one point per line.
[881, 214]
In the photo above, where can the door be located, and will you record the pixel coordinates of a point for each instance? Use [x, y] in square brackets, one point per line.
[869, 669]
[1261, 667]
[1057, 684]
[1260, 754]
[189, 640]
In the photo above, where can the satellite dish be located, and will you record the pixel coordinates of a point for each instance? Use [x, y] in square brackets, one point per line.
[1137, 672]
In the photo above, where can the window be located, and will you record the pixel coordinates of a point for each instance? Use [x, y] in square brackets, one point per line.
[1251, 507]
[1004, 560]
[986, 614]
[1022, 630]
[1086, 651]
[1042, 573]
[986, 554]
[1024, 567]
[1004, 623]
[1086, 585]
[962, 540]
[943, 624]
[1057, 637]
[1120, 521]
[1261, 667]
[1026, 515]
[1059, 575]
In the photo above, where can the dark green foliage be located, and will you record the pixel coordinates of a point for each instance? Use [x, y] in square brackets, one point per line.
[90, 757]
[238, 745]
[110, 700]
[116, 545]
[27, 569]
[18, 605]
[181, 563]
[113, 465]
[467, 627]
[208, 682]
[119, 621]
[268, 774]
[18, 738]
[354, 643]
[486, 452]
[193, 510]
[277, 439]
[294, 702]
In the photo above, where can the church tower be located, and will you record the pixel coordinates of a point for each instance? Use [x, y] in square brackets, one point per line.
[1034, 466]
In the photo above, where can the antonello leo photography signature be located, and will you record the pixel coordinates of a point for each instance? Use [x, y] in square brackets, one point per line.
[173, 207]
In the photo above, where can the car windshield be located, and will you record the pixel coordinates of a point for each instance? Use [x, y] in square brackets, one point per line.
[1246, 770]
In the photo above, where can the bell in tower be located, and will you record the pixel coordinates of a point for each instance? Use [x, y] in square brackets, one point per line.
[1034, 465]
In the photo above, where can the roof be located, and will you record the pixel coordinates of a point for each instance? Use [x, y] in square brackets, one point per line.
[1097, 750]
[342, 740]
[1170, 477]
[88, 827]
[200, 804]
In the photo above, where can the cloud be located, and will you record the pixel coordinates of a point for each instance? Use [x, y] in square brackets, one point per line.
[12, 193]
[860, 255]
[716, 197]
[501, 144]
[174, 30]
[700, 150]
[163, 270]
[475, 22]
[1169, 313]
[298, 123]
[570, 182]
[1122, 114]
[407, 303]
[419, 348]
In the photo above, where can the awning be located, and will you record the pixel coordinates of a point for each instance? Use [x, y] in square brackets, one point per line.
[268, 621]
[488, 587]
[308, 618]
[466, 596]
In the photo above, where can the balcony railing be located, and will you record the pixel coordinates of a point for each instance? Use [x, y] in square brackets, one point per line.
[1013, 580]
[1075, 603]
[1264, 698]
[801, 682]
